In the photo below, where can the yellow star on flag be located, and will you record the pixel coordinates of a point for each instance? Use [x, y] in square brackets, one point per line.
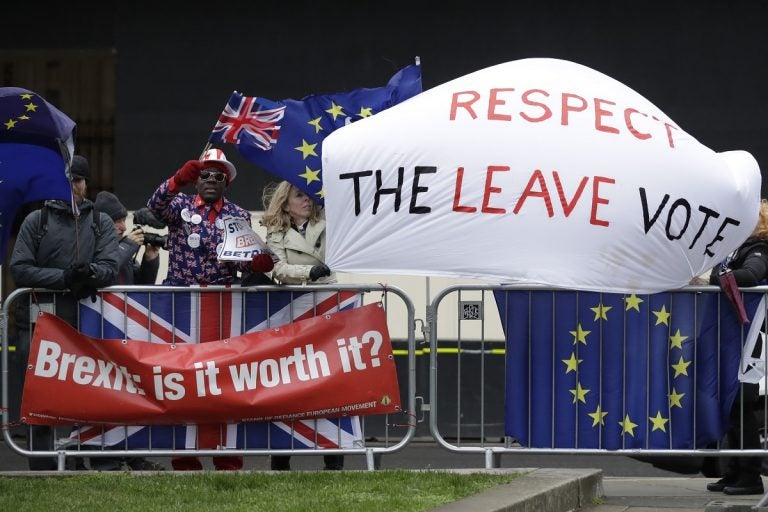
[627, 427]
[22, 117]
[26, 96]
[321, 194]
[662, 316]
[598, 416]
[10, 124]
[572, 364]
[633, 302]
[677, 340]
[579, 393]
[600, 311]
[681, 368]
[306, 149]
[659, 423]
[365, 112]
[579, 335]
[675, 398]
[31, 107]
[310, 175]
[336, 110]
[316, 123]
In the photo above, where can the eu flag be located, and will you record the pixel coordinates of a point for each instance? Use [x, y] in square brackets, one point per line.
[285, 137]
[36, 142]
[612, 371]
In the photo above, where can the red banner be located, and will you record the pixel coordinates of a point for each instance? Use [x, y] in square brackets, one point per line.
[332, 365]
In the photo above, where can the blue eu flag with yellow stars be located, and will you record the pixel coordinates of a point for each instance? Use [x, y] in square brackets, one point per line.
[36, 143]
[285, 137]
[613, 371]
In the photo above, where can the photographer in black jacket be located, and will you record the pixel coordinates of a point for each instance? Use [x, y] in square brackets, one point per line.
[130, 271]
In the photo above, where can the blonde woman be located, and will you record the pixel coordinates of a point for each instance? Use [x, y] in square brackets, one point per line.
[296, 234]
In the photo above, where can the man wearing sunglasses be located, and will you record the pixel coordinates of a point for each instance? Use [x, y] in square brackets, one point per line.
[195, 223]
[195, 228]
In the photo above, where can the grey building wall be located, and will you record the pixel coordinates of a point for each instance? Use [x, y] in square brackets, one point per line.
[703, 63]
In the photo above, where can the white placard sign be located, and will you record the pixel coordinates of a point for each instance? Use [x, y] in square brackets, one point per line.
[241, 243]
[534, 171]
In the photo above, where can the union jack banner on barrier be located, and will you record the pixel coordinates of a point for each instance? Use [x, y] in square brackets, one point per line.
[201, 315]
[321, 433]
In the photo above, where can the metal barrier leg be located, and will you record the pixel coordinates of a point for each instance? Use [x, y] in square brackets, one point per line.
[61, 461]
[492, 459]
[372, 460]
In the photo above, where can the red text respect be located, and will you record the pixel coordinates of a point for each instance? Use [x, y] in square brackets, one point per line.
[537, 106]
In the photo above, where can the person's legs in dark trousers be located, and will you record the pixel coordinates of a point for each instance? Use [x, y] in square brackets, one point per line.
[743, 473]
[283, 462]
[280, 462]
[41, 439]
[333, 462]
[104, 463]
[747, 469]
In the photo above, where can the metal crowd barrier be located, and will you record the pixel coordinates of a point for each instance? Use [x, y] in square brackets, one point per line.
[473, 374]
[378, 434]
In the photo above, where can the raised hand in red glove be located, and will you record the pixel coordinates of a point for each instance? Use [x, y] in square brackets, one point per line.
[188, 173]
[262, 263]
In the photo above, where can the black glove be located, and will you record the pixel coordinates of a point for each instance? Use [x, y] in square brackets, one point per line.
[318, 271]
[77, 275]
[81, 292]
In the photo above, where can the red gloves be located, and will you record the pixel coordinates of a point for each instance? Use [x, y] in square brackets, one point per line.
[262, 263]
[188, 173]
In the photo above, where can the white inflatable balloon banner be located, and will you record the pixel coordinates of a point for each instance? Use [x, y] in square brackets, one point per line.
[534, 171]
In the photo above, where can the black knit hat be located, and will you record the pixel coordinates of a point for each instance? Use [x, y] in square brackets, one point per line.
[80, 167]
[108, 203]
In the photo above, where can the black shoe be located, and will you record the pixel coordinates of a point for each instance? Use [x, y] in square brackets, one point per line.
[742, 487]
[720, 484]
[141, 464]
[333, 462]
[76, 464]
[42, 464]
[280, 463]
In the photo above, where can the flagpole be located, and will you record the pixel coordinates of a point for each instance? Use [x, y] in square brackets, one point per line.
[208, 145]
[206, 148]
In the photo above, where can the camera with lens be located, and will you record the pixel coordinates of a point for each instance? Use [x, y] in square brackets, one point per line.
[156, 240]
[144, 217]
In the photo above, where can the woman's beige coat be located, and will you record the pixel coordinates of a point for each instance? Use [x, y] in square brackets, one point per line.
[298, 254]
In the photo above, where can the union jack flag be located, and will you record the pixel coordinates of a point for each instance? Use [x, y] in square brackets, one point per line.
[307, 122]
[207, 314]
[250, 120]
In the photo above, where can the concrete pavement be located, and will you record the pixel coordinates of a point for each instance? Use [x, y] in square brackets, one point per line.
[541, 489]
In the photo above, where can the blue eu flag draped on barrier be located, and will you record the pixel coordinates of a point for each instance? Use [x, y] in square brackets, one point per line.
[285, 137]
[36, 141]
[613, 371]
